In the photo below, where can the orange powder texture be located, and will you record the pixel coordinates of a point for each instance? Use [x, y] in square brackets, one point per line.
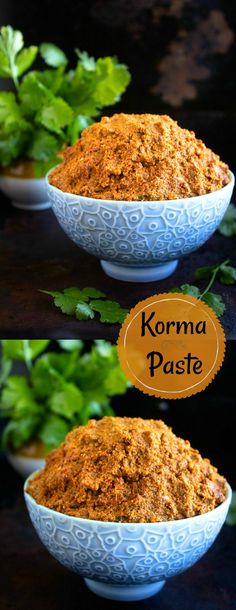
[136, 157]
[130, 470]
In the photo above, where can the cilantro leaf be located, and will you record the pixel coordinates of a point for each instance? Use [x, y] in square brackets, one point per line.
[43, 145]
[87, 62]
[67, 401]
[71, 344]
[223, 272]
[83, 311]
[109, 311]
[52, 55]
[17, 433]
[11, 42]
[33, 94]
[215, 302]
[18, 398]
[93, 293]
[227, 274]
[187, 289]
[15, 348]
[227, 226]
[76, 293]
[66, 303]
[25, 59]
[53, 431]
[115, 382]
[74, 301]
[54, 114]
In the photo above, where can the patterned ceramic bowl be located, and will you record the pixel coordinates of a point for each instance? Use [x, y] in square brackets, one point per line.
[140, 241]
[126, 561]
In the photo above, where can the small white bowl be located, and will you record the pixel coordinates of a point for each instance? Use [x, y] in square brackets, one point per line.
[25, 466]
[26, 193]
[140, 241]
[126, 561]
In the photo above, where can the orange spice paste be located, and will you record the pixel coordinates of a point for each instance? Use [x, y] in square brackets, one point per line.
[136, 157]
[129, 470]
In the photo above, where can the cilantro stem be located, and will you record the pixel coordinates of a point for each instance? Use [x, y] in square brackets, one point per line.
[214, 274]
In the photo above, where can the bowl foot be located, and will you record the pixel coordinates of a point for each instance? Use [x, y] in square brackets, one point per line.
[139, 274]
[124, 593]
[44, 205]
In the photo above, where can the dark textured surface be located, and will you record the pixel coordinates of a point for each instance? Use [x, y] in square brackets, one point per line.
[31, 578]
[35, 253]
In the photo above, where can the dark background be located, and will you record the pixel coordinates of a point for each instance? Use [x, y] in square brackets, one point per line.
[181, 54]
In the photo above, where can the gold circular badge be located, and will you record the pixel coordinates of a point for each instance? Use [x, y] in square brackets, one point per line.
[171, 345]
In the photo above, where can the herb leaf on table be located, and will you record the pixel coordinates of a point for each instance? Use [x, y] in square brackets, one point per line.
[223, 272]
[84, 303]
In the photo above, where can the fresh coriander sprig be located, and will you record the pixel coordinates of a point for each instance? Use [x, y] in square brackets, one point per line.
[60, 390]
[50, 107]
[226, 275]
[86, 302]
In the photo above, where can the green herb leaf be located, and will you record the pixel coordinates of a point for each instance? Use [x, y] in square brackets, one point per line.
[187, 289]
[93, 293]
[77, 126]
[227, 274]
[66, 303]
[223, 272]
[84, 312]
[227, 226]
[115, 382]
[70, 345]
[33, 94]
[87, 62]
[109, 311]
[53, 55]
[15, 348]
[215, 302]
[25, 59]
[17, 398]
[43, 145]
[11, 42]
[17, 433]
[54, 114]
[67, 402]
[53, 431]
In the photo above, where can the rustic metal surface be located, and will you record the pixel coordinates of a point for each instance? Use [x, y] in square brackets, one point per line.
[35, 253]
[31, 578]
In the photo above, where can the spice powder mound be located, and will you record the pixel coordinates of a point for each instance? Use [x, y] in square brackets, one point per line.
[129, 470]
[133, 157]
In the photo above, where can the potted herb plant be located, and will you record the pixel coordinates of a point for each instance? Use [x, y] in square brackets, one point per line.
[47, 110]
[57, 391]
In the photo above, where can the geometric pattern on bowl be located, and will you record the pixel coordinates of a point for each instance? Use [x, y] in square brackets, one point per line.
[140, 233]
[126, 554]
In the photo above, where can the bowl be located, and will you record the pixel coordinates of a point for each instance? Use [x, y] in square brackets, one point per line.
[139, 241]
[24, 465]
[26, 193]
[126, 561]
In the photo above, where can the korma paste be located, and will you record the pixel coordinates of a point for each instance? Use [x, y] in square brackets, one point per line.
[130, 470]
[136, 157]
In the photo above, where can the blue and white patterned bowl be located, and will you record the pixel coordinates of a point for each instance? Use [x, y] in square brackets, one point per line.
[126, 561]
[140, 241]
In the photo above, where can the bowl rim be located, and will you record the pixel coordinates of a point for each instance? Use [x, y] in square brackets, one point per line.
[81, 198]
[226, 502]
